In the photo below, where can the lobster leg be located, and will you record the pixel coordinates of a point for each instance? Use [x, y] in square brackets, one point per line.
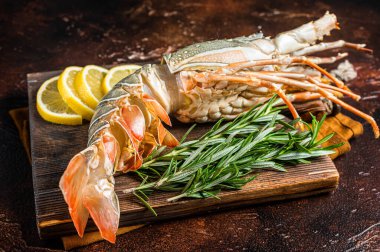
[330, 45]
[303, 96]
[326, 94]
[255, 80]
[233, 68]
[328, 60]
[283, 96]
[311, 80]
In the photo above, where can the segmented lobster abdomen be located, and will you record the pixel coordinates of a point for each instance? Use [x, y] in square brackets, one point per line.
[103, 112]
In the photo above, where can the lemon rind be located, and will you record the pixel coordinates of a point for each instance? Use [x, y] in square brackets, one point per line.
[74, 102]
[130, 67]
[50, 116]
[84, 91]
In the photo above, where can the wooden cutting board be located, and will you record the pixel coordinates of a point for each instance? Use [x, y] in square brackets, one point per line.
[52, 146]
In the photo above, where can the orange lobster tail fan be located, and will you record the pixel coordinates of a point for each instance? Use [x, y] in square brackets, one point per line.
[72, 183]
[103, 210]
[88, 188]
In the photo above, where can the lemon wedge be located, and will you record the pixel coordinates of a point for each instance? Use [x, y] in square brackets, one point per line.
[51, 106]
[70, 95]
[88, 84]
[116, 74]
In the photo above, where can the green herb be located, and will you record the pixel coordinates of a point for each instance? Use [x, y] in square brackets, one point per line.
[226, 155]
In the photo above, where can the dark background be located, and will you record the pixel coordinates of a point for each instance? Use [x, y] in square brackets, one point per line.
[49, 35]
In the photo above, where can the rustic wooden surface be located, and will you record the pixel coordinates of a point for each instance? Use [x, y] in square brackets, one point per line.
[52, 146]
[39, 35]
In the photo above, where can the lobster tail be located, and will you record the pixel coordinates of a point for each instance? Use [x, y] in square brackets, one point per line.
[102, 203]
[131, 133]
[72, 183]
[88, 188]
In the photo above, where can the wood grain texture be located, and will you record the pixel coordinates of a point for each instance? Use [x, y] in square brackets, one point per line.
[54, 145]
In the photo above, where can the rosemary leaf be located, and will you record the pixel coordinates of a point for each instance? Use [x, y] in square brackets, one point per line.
[226, 156]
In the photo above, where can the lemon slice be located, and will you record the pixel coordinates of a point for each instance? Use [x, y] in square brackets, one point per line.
[116, 74]
[51, 106]
[69, 94]
[88, 84]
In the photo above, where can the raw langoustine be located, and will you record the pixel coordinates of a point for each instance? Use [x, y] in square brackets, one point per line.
[199, 83]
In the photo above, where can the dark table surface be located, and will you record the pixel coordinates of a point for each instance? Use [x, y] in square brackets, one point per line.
[47, 35]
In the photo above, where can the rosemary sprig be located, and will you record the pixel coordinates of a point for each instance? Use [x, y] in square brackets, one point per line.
[224, 157]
